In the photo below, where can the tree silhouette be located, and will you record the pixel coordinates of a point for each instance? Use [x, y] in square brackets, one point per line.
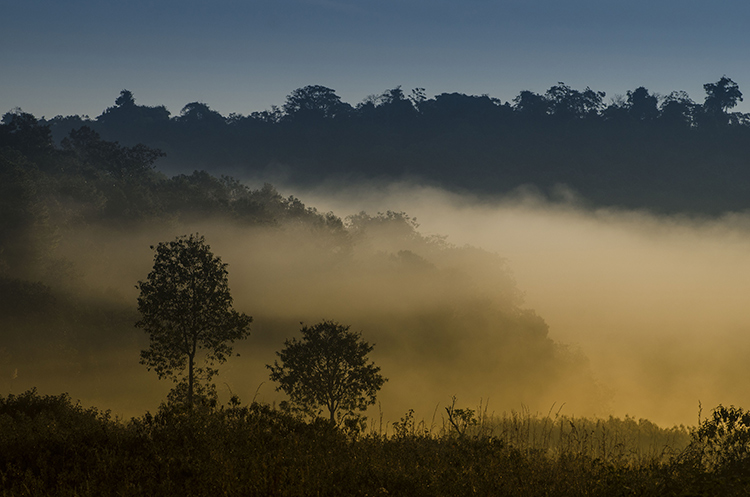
[315, 102]
[23, 132]
[186, 308]
[721, 96]
[530, 104]
[678, 108]
[200, 112]
[126, 99]
[642, 106]
[327, 369]
[565, 102]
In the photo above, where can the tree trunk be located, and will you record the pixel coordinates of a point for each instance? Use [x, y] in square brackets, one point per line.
[190, 382]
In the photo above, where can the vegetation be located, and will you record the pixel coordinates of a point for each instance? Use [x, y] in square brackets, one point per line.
[50, 445]
[54, 187]
[328, 369]
[664, 153]
[186, 309]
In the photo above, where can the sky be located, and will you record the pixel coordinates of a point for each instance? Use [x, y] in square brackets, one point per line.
[64, 57]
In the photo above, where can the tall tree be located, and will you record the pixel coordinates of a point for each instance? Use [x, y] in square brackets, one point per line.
[315, 102]
[186, 308]
[642, 106]
[327, 369]
[721, 96]
[565, 102]
[678, 108]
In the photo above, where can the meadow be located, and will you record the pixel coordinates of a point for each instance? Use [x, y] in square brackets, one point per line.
[51, 445]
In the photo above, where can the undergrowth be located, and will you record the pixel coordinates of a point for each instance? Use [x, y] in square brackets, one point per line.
[50, 445]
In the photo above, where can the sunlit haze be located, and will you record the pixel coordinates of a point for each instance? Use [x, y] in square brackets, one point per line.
[646, 315]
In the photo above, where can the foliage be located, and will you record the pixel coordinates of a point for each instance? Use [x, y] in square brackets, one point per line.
[460, 419]
[722, 442]
[722, 95]
[186, 308]
[50, 445]
[473, 143]
[327, 369]
[315, 102]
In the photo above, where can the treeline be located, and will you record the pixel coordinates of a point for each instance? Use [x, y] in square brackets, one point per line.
[640, 150]
[86, 180]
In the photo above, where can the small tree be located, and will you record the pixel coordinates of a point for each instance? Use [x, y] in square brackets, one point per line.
[327, 369]
[186, 309]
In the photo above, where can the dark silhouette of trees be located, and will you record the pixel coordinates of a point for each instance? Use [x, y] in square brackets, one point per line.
[393, 107]
[678, 108]
[120, 162]
[198, 112]
[186, 309]
[126, 113]
[327, 370]
[721, 96]
[639, 150]
[23, 132]
[315, 102]
[531, 105]
[451, 108]
[642, 106]
[125, 100]
[568, 103]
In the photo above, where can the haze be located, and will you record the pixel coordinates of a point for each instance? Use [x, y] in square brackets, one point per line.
[657, 304]
[597, 312]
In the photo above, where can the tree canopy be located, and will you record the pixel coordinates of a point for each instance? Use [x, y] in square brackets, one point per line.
[666, 153]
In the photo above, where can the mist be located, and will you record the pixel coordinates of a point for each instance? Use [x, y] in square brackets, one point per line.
[656, 304]
[513, 303]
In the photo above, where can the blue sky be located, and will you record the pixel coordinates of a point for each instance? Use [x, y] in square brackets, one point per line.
[74, 56]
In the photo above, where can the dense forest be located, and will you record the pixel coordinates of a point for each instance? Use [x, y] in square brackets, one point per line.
[665, 153]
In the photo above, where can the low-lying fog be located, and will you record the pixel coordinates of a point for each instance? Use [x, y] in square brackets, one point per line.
[604, 311]
[660, 305]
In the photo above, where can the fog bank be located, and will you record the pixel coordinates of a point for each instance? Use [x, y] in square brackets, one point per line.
[659, 305]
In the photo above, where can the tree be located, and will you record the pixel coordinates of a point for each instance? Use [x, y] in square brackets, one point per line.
[327, 369]
[678, 108]
[126, 99]
[315, 102]
[195, 112]
[721, 96]
[642, 106]
[22, 131]
[531, 104]
[186, 308]
[565, 102]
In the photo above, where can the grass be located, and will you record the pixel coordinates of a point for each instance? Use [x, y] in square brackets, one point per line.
[50, 445]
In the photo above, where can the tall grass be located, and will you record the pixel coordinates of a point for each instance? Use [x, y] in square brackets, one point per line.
[50, 445]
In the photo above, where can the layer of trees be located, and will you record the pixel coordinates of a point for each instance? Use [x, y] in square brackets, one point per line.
[642, 150]
[377, 272]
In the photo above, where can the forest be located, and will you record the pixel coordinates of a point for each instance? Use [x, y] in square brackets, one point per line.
[664, 153]
[83, 200]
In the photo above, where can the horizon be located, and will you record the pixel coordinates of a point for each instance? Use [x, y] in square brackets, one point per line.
[74, 58]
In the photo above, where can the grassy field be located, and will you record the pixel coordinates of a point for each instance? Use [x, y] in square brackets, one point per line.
[50, 445]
